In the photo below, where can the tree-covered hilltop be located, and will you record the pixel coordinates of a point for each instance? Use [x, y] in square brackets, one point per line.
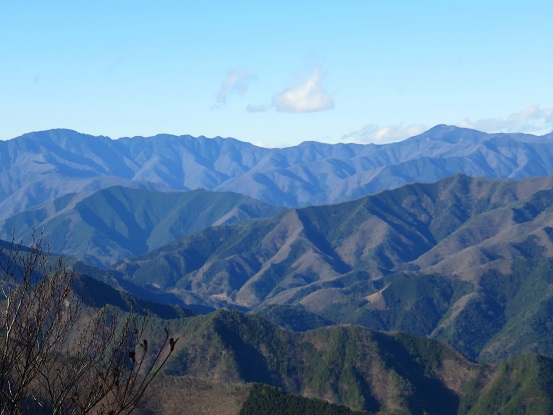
[365, 370]
[267, 400]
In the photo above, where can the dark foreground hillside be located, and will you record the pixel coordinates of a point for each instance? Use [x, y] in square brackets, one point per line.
[228, 362]
[176, 395]
[222, 353]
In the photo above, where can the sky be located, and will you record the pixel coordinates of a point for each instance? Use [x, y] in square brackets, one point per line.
[275, 73]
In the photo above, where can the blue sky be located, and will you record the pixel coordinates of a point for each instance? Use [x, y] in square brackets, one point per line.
[275, 73]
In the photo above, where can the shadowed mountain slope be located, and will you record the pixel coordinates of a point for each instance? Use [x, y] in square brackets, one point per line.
[108, 225]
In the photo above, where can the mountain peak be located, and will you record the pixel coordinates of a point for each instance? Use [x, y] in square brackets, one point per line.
[450, 134]
[443, 128]
[58, 135]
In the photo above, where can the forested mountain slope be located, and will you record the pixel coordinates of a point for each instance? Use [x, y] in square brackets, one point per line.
[457, 259]
[107, 225]
[354, 366]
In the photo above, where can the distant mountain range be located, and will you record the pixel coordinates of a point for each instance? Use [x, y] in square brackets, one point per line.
[42, 166]
[424, 259]
[314, 247]
[464, 260]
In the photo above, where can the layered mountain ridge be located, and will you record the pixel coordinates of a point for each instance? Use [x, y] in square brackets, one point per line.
[261, 364]
[424, 258]
[42, 166]
[227, 362]
[447, 235]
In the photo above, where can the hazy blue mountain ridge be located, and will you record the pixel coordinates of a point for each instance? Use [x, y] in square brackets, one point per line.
[41, 166]
[464, 260]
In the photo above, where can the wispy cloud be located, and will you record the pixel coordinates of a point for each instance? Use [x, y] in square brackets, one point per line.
[307, 96]
[383, 134]
[532, 120]
[258, 108]
[237, 82]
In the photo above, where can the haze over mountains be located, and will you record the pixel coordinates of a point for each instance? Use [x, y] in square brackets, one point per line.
[41, 166]
[447, 235]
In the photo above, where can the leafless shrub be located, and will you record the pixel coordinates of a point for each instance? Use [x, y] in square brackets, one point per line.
[57, 356]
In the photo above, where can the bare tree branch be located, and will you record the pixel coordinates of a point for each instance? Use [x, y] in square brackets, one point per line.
[58, 356]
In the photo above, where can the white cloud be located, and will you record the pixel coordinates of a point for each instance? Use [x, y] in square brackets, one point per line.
[532, 120]
[265, 144]
[257, 108]
[236, 82]
[383, 134]
[307, 96]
